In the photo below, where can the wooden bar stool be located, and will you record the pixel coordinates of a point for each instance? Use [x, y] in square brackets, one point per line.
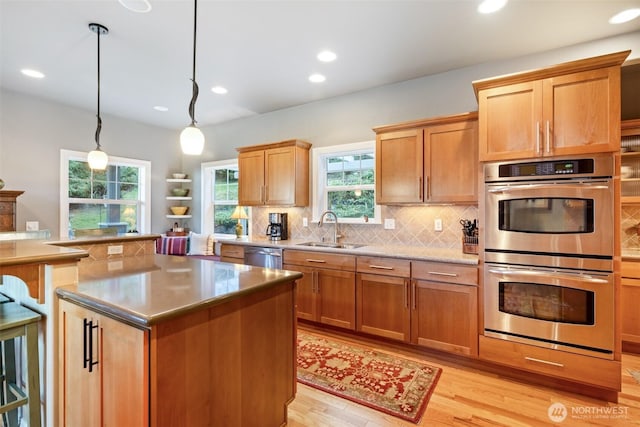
[18, 321]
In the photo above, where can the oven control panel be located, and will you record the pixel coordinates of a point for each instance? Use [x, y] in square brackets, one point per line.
[595, 166]
[537, 169]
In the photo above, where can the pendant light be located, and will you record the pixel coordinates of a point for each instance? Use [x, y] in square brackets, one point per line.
[191, 138]
[97, 158]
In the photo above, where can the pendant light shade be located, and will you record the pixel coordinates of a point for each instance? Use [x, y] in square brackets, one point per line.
[191, 138]
[97, 158]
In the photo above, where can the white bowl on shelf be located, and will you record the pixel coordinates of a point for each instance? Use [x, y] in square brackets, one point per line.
[179, 175]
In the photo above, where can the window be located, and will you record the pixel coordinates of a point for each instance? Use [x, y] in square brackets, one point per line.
[116, 197]
[220, 198]
[344, 182]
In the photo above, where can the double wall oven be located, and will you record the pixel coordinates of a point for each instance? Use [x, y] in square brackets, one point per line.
[549, 246]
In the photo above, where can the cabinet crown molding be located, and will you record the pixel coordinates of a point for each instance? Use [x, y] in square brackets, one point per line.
[288, 143]
[441, 120]
[596, 62]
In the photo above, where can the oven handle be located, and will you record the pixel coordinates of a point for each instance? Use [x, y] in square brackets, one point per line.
[592, 185]
[555, 275]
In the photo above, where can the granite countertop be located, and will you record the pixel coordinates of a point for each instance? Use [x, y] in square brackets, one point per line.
[149, 289]
[631, 254]
[15, 252]
[420, 253]
[88, 240]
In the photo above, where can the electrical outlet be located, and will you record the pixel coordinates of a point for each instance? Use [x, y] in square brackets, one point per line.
[389, 224]
[437, 224]
[305, 222]
[32, 226]
[114, 250]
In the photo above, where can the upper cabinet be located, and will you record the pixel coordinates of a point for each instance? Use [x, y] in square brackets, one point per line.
[568, 109]
[274, 174]
[414, 161]
[630, 162]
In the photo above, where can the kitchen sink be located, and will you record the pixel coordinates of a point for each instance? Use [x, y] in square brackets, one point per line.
[332, 245]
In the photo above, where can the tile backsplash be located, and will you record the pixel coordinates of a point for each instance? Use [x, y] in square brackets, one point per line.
[414, 226]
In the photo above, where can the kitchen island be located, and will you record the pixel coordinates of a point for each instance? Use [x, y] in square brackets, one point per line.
[177, 341]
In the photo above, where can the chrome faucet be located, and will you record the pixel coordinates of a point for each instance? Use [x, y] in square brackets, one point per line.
[335, 224]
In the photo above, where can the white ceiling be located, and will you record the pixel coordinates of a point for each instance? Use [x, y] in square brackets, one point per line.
[263, 51]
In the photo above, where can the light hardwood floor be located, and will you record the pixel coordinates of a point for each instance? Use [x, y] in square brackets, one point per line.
[466, 396]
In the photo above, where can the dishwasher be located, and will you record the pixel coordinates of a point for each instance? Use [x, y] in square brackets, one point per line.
[263, 257]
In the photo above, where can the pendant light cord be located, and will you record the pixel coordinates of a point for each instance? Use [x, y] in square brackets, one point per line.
[99, 126]
[194, 95]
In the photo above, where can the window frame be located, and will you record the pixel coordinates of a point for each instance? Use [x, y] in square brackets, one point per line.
[318, 188]
[206, 210]
[144, 194]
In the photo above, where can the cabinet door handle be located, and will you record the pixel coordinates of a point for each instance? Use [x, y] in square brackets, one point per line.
[321, 261]
[380, 267]
[421, 189]
[317, 280]
[88, 344]
[545, 362]
[548, 137]
[405, 292]
[441, 273]
[413, 294]
[538, 151]
[426, 188]
[266, 194]
[85, 344]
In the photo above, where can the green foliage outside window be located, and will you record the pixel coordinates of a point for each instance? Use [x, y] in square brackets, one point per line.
[116, 182]
[349, 184]
[225, 196]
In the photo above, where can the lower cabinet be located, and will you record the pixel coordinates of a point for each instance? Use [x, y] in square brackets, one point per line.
[425, 303]
[629, 297]
[326, 293]
[444, 307]
[104, 366]
[228, 364]
[382, 289]
[232, 253]
[557, 364]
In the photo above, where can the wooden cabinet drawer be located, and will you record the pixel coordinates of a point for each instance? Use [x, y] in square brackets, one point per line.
[384, 266]
[554, 363]
[231, 251]
[445, 272]
[320, 259]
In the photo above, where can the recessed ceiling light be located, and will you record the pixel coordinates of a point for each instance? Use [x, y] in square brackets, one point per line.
[32, 73]
[326, 56]
[140, 6]
[490, 6]
[219, 90]
[624, 16]
[317, 78]
[160, 108]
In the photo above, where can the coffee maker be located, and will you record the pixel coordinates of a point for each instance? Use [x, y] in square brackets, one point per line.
[278, 226]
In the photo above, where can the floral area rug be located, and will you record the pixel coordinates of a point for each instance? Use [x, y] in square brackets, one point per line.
[391, 384]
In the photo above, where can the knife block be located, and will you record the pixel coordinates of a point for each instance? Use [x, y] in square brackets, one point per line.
[470, 244]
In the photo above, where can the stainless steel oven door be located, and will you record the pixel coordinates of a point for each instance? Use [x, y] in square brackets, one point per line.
[561, 309]
[556, 217]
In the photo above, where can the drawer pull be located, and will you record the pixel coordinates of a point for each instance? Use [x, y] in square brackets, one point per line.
[321, 261]
[546, 362]
[440, 273]
[380, 267]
